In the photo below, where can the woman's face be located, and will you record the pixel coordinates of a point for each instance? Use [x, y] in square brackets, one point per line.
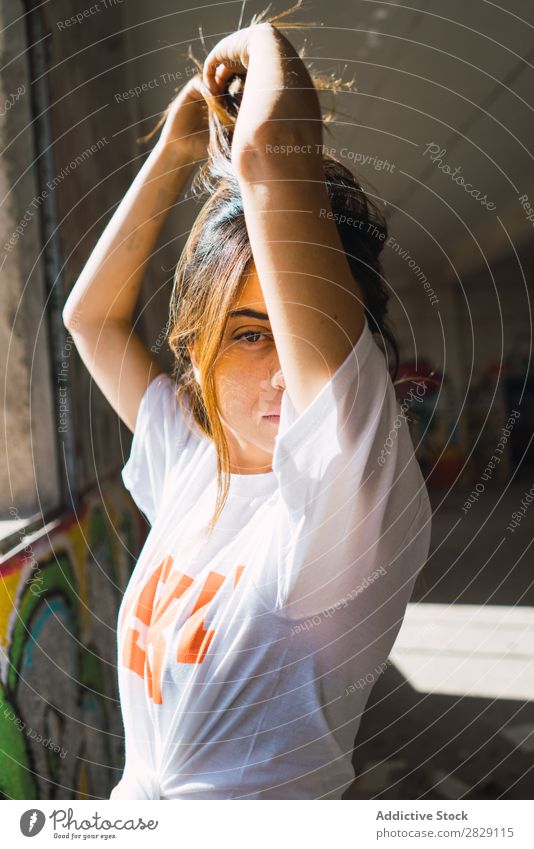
[249, 383]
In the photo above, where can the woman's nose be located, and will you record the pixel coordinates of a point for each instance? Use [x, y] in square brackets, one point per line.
[277, 379]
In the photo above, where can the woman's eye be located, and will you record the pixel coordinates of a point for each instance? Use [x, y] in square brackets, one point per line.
[250, 336]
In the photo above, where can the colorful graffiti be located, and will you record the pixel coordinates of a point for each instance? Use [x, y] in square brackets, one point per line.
[61, 734]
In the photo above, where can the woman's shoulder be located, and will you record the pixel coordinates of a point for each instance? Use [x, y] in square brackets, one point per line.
[165, 433]
[169, 407]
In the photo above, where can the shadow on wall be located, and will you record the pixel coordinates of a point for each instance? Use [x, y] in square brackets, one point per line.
[414, 745]
[61, 734]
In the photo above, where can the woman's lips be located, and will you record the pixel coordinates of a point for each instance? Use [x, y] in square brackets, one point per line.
[273, 418]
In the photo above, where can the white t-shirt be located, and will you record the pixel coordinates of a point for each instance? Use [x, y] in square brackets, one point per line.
[245, 661]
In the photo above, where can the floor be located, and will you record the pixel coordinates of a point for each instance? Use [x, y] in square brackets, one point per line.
[452, 717]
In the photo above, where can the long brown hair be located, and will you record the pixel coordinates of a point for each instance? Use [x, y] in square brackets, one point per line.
[217, 256]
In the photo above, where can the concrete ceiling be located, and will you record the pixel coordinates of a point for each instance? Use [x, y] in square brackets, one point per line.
[458, 74]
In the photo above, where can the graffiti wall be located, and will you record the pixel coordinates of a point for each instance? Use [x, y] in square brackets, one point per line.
[61, 734]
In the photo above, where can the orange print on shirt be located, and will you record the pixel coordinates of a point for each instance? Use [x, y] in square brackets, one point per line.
[156, 618]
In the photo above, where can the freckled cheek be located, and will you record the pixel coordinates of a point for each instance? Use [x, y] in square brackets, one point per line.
[238, 385]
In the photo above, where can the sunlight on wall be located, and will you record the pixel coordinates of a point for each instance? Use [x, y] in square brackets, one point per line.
[484, 651]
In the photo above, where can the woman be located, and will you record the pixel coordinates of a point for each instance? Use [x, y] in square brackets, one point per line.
[285, 538]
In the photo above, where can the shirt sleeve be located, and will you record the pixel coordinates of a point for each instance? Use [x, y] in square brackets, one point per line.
[160, 432]
[353, 504]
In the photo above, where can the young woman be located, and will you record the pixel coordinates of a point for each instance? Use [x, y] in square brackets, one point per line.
[289, 515]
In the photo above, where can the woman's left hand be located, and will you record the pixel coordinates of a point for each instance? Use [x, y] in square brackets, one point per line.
[229, 56]
[279, 95]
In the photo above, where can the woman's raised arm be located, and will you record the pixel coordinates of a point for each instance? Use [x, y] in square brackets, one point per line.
[315, 306]
[99, 309]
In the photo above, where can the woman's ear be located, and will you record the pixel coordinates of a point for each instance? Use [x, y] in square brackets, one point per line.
[193, 359]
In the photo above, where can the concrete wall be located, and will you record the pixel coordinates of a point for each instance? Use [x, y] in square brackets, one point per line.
[29, 475]
[61, 734]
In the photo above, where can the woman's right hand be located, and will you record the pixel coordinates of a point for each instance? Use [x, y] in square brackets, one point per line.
[185, 130]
